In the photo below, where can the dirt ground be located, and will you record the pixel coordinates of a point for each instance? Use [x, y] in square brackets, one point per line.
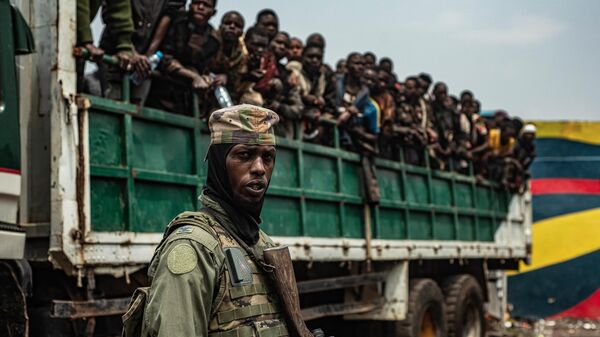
[546, 328]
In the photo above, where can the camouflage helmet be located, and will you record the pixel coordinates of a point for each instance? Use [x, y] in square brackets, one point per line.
[243, 124]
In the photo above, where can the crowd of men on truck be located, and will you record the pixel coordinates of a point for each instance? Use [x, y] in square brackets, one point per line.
[414, 120]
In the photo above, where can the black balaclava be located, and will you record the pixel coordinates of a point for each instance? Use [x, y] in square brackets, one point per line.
[245, 218]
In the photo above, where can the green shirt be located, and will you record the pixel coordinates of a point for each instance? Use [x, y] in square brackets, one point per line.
[188, 278]
[118, 20]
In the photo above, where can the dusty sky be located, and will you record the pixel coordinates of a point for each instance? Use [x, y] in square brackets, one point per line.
[536, 59]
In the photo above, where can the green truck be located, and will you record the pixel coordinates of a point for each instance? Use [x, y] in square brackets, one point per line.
[99, 179]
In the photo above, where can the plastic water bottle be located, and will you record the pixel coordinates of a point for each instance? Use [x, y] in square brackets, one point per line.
[154, 61]
[222, 95]
[318, 333]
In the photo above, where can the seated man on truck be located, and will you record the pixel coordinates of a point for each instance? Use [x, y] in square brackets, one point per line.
[314, 87]
[189, 47]
[231, 57]
[348, 96]
[259, 79]
[151, 23]
[268, 20]
[117, 18]
[501, 144]
[287, 102]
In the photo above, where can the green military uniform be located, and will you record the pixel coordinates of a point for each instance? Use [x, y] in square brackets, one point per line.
[118, 20]
[192, 291]
[205, 280]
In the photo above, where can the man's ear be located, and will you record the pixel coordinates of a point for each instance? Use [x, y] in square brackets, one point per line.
[213, 12]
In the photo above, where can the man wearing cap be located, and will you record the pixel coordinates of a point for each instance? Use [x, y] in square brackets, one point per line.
[524, 154]
[208, 274]
[525, 147]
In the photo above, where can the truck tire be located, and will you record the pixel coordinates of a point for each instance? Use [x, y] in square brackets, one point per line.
[426, 313]
[464, 306]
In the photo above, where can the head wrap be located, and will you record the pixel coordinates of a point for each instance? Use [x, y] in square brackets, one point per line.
[241, 124]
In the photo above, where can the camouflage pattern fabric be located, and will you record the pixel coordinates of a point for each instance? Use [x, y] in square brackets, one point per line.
[243, 124]
[194, 294]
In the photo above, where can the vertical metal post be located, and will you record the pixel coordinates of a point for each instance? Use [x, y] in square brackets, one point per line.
[340, 180]
[368, 235]
[405, 194]
[126, 88]
[430, 192]
[130, 191]
[340, 183]
[339, 163]
[197, 136]
[297, 131]
[454, 205]
[300, 158]
[376, 226]
[402, 155]
[475, 206]
[195, 108]
[471, 170]
[336, 137]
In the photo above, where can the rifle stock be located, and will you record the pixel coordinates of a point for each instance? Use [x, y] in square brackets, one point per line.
[285, 284]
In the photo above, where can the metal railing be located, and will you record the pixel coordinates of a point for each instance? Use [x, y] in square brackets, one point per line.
[112, 60]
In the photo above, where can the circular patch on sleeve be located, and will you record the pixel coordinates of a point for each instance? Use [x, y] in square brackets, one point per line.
[182, 259]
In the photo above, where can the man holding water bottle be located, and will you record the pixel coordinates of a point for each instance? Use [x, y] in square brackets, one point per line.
[189, 46]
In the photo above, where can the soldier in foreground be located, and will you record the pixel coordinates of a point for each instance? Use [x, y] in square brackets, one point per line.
[210, 274]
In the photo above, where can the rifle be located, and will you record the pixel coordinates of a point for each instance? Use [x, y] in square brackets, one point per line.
[285, 284]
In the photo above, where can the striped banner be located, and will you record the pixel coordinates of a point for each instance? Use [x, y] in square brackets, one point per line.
[564, 277]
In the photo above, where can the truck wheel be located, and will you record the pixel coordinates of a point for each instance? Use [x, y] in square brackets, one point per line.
[425, 315]
[464, 306]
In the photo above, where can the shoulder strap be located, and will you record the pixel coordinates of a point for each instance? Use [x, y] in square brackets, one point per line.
[256, 256]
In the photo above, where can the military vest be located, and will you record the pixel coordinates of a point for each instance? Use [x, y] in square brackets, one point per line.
[246, 303]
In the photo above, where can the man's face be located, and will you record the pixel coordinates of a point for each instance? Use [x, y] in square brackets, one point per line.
[412, 89]
[440, 92]
[201, 11]
[507, 133]
[424, 85]
[467, 108]
[269, 23]
[316, 40]
[466, 98]
[257, 45]
[279, 45]
[312, 60]
[295, 50]
[356, 66]
[370, 80]
[383, 80]
[232, 27]
[369, 61]
[340, 67]
[386, 66]
[528, 137]
[249, 168]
